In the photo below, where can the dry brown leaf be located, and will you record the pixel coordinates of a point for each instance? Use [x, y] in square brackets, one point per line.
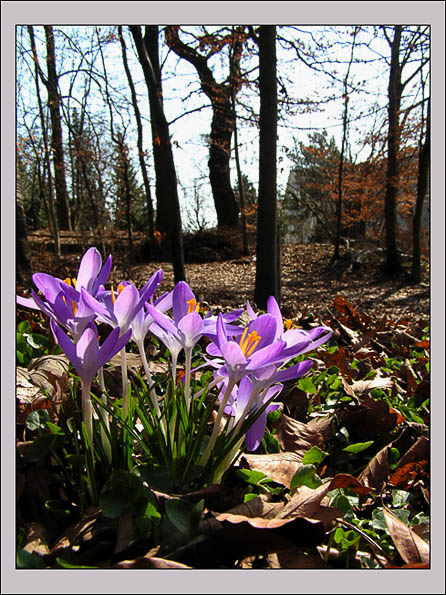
[280, 467]
[147, 562]
[411, 547]
[126, 532]
[36, 540]
[295, 436]
[377, 471]
[306, 502]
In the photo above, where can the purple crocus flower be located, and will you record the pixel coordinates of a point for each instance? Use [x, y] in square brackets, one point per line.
[62, 299]
[91, 275]
[120, 311]
[240, 400]
[256, 347]
[87, 356]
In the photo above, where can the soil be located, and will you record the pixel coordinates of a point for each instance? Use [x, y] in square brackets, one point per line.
[222, 278]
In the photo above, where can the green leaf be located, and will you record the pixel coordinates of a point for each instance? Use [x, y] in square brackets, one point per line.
[123, 491]
[248, 497]
[66, 564]
[27, 560]
[37, 419]
[306, 386]
[314, 456]
[305, 476]
[358, 447]
[252, 476]
[54, 429]
[185, 515]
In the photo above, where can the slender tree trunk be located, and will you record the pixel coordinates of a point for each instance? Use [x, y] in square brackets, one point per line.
[62, 204]
[267, 263]
[23, 259]
[341, 159]
[142, 162]
[393, 263]
[168, 218]
[52, 217]
[222, 125]
[422, 183]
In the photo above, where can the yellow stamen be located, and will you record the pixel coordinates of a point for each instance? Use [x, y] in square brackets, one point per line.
[248, 344]
[242, 340]
[120, 289]
[194, 306]
[288, 324]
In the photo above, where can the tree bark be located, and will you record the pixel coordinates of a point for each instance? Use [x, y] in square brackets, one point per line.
[168, 217]
[393, 263]
[60, 184]
[267, 281]
[142, 162]
[23, 259]
[422, 183]
[222, 125]
[52, 216]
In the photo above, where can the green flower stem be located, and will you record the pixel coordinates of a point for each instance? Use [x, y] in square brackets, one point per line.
[187, 391]
[209, 386]
[153, 396]
[210, 446]
[87, 410]
[125, 385]
[104, 437]
[227, 462]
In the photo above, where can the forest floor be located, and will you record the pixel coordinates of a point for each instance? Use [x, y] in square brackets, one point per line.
[341, 478]
[310, 283]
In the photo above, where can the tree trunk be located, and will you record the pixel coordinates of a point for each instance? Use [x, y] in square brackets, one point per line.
[422, 182]
[168, 217]
[23, 259]
[142, 162]
[267, 251]
[60, 184]
[52, 217]
[393, 263]
[222, 126]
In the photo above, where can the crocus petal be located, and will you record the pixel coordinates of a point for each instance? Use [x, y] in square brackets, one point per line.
[190, 329]
[182, 293]
[112, 345]
[152, 284]
[252, 315]
[48, 285]
[233, 354]
[255, 433]
[162, 320]
[126, 307]
[103, 313]
[267, 355]
[295, 371]
[265, 326]
[103, 275]
[27, 302]
[87, 350]
[67, 346]
[274, 310]
[89, 268]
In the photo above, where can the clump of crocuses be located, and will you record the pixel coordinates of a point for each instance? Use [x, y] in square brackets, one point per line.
[181, 422]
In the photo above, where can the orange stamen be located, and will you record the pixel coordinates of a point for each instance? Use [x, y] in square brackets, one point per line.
[194, 306]
[249, 343]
